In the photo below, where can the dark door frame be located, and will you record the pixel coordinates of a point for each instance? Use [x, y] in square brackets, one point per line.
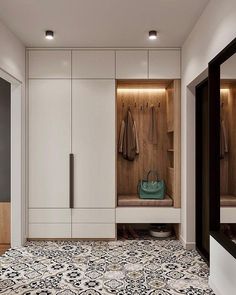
[214, 146]
[198, 169]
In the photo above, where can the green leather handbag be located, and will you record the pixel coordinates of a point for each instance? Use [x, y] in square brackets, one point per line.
[151, 189]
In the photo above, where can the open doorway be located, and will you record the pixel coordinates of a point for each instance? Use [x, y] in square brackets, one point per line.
[5, 167]
[13, 188]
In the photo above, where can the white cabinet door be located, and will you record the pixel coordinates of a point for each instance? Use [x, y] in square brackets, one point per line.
[93, 64]
[131, 64]
[164, 64]
[49, 143]
[93, 143]
[50, 64]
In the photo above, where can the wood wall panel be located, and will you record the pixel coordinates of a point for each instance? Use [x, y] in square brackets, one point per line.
[177, 143]
[170, 107]
[228, 163]
[5, 223]
[151, 156]
[224, 163]
[232, 141]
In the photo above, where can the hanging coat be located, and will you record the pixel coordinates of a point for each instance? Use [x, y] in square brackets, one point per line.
[128, 139]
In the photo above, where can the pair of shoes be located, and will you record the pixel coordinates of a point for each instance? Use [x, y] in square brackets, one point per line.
[227, 231]
[128, 231]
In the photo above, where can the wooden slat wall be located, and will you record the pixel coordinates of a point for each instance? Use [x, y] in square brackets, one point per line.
[151, 157]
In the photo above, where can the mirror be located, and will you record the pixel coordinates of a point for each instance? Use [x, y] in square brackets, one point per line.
[228, 148]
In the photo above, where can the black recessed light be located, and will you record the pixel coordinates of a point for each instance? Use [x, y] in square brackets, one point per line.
[152, 35]
[49, 34]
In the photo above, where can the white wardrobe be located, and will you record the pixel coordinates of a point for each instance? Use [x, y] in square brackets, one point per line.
[72, 139]
[71, 111]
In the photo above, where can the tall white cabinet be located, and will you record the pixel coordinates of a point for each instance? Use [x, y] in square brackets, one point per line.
[71, 111]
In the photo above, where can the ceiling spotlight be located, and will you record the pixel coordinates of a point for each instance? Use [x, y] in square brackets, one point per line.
[152, 35]
[49, 35]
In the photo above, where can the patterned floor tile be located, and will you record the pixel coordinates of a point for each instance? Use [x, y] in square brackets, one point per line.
[132, 267]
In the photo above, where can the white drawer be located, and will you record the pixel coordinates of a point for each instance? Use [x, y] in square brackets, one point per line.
[49, 231]
[93, 231]
[93, 215]
[49, 215]
[147, 215]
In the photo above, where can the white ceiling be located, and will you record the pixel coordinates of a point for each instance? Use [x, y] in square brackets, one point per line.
[101, 23]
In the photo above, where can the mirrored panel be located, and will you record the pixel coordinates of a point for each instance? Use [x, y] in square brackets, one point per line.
[228, 148]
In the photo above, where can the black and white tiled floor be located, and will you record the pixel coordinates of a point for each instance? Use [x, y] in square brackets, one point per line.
[132, 267]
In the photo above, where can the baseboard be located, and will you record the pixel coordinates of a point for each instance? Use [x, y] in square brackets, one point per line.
[187, 245]
[212, 286]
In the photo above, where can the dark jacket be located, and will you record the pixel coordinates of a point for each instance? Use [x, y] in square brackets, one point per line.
[128, 140]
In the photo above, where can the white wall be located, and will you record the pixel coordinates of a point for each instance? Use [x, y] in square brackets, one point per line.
[213, 31]
[228, 68]
[222, 270]
[12, 68]
[12, 54]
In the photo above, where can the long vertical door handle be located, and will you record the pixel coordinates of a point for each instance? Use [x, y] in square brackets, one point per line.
[71, 180]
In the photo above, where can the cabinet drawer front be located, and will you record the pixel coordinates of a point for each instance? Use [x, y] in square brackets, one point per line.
[49, 64]
[49, 231]
[49, 215]
[93, 231]
[164, 64]
[147, 215]
[93, 64]
[132, 64]
[93, 215]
